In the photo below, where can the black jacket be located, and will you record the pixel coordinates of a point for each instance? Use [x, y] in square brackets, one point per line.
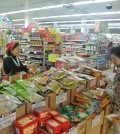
[11, 68]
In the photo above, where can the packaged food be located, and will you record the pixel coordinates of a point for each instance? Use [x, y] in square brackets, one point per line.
[67, 81]
[58, 75]
[27, 124]
[42, 112]
[63, 121]
[54, 113]
[53, 127]
[8, 103]
[97, 92]
[104, 102]
[83, 115]
[84, 100]
[54, 85]
[72, 86]
[27, 85]
[43, 80]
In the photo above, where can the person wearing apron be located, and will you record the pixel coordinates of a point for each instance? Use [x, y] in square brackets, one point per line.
[11, 63]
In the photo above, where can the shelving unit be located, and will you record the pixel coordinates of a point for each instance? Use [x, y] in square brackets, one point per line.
[74, 46]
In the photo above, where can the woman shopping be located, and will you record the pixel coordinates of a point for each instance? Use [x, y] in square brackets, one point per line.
[115, 56]
[11, 64]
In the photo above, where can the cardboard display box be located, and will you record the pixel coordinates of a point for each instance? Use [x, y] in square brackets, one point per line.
[105, 128]
[62, 98]
[31, 106]
[93, 126]
[81, 127]
[7, 120]
[107, 110]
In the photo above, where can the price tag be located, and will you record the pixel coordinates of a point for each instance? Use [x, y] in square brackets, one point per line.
[38, 104]
[7, 119]
[95, 121]
[61, 98]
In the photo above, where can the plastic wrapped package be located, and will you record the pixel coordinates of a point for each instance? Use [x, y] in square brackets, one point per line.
[8, 103]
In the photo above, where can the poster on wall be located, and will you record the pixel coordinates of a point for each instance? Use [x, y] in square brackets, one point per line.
[5, 23]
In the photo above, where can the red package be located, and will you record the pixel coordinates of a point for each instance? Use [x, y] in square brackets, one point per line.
[42, 112]
[63, 121]
[53, 127]
[54, 113]
[27, 124]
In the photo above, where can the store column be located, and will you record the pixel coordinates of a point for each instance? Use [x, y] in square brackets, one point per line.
[28, 15]
[83, 27]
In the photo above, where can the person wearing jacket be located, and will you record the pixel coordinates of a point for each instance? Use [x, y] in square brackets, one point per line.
[11, 63]
[115, 56]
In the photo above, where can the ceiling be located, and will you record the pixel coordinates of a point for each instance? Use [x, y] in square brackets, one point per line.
[16, 5]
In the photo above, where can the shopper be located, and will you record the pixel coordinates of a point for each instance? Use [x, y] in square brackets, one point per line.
[108, 55]
[11, 64]
[115, 56]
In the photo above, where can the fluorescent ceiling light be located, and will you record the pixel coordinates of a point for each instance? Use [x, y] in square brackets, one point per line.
[57, 6]
[18, 20]
[78, 15]
[75, 21]
[114, 24]
[92, 2]
[18, 24]
[114, 27]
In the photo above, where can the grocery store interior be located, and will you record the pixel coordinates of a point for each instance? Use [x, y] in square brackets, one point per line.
[59, 66]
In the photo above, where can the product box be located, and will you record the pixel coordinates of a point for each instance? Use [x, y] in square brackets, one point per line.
[81, 127]
[105, 128]
[6, 121]
[31, 106]
[107, 110]
[62, 98]
[60, 63]
[93, 126]
[17, 77]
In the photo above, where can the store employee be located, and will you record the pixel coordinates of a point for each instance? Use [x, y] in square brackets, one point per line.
[11, 64]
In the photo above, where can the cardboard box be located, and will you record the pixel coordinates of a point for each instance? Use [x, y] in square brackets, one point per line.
[80, 88]
[81, 127]
[31, 106]
[9, 118]
[63, 98]
[81, 131]
[107, 110]
[93, 126]
[105, 128]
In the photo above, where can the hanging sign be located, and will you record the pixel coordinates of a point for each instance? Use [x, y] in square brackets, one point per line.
[5, 23]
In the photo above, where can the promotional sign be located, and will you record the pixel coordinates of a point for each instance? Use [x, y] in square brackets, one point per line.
[32, 25]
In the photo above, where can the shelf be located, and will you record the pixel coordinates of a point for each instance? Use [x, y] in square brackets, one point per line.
[23, 43]
[36, 51]
[76, 40]
[36, 39]
[36, 45]
[36, 57]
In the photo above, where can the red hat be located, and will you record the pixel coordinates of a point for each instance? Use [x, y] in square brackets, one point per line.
[10, 45]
